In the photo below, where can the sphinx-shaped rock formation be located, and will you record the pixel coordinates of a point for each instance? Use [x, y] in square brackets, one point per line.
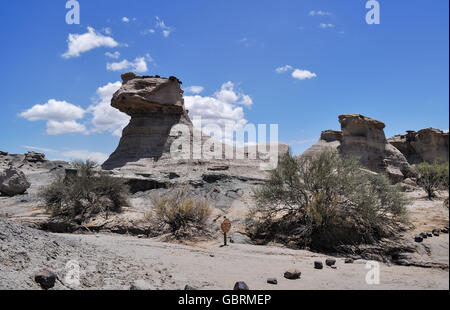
[363, 137]
[428, 145]
[155, 105]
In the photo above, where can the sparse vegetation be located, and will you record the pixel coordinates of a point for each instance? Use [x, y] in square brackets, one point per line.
[326, 202]
[179, 213]
[85, 194]
[432, 177]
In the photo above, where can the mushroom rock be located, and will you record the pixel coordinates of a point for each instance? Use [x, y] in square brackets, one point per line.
[363, 138]
[428, 145]
[155, 105]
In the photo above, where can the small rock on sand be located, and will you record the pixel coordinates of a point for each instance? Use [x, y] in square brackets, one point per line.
[240, 286]
[292, 274]
[318, 265]
[330, 262]
[272, 281]
[46, 279]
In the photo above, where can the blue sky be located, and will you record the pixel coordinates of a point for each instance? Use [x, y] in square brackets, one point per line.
[396, 71]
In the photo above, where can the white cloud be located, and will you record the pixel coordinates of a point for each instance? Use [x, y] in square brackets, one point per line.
[283, 69]
[139, 64]
[85, 155]
[125, 19]
[105, 117]
[59, 128]
[114, 55]
[37, 148]
[223, 108]
[81, 43]
[303, 74]
[161, 25]
[53, 110]
[107, 30]
[319, 13]
[194, 89]
[324, 26]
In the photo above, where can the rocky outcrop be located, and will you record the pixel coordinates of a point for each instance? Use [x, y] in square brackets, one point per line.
[363, 137]
[427, 145]
[13, 182]
[329, 140]
[34, 157]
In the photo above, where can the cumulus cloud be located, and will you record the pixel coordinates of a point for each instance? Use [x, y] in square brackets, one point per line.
[224, 108]
[105, 117]
[53, 110]
[81, 43]
[194, 89]
[125, 19]
[114, 55]
[283, 69]
[59, 128]
[325, 26]
[319, 13]
[139, 64]
[303, 74]
[161, 25]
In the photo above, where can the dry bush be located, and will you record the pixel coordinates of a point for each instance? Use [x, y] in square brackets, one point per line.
[324, 203]
[179, 213]
[79, 197]
[432, 177]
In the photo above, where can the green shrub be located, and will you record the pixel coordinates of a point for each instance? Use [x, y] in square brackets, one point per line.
[326, 202]
[179, 213]
[85, 194]
[432, 177]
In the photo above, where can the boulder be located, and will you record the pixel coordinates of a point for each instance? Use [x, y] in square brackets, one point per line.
[318, 265]
[292, 274]
[426, 145]
[273, 281]
[45, 278]
[349, 261]
[436, 232]
[13, 182]
[3, 153]
[189, 288]
[330, 262]
[418, 238]
[240, 286]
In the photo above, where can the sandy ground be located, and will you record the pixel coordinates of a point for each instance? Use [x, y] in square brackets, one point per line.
[209, 266]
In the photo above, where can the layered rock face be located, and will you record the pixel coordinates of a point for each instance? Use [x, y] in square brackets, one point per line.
[363, 137]
[428, 145]
[155, 105]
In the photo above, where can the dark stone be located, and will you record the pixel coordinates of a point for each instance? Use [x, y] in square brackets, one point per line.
[292, 274]
[46, 279]
[423, 235]
[240, 286]
[429, 234]
[418, 238]
[318, 265]
[189, 288]
[272, 281]
[436, 232]
[444, 230]
[349, 260]
[330, 262]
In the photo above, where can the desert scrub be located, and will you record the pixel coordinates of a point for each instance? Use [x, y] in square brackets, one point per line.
[85, 194]
[432, 177]
[326, 202]
[179, 213]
